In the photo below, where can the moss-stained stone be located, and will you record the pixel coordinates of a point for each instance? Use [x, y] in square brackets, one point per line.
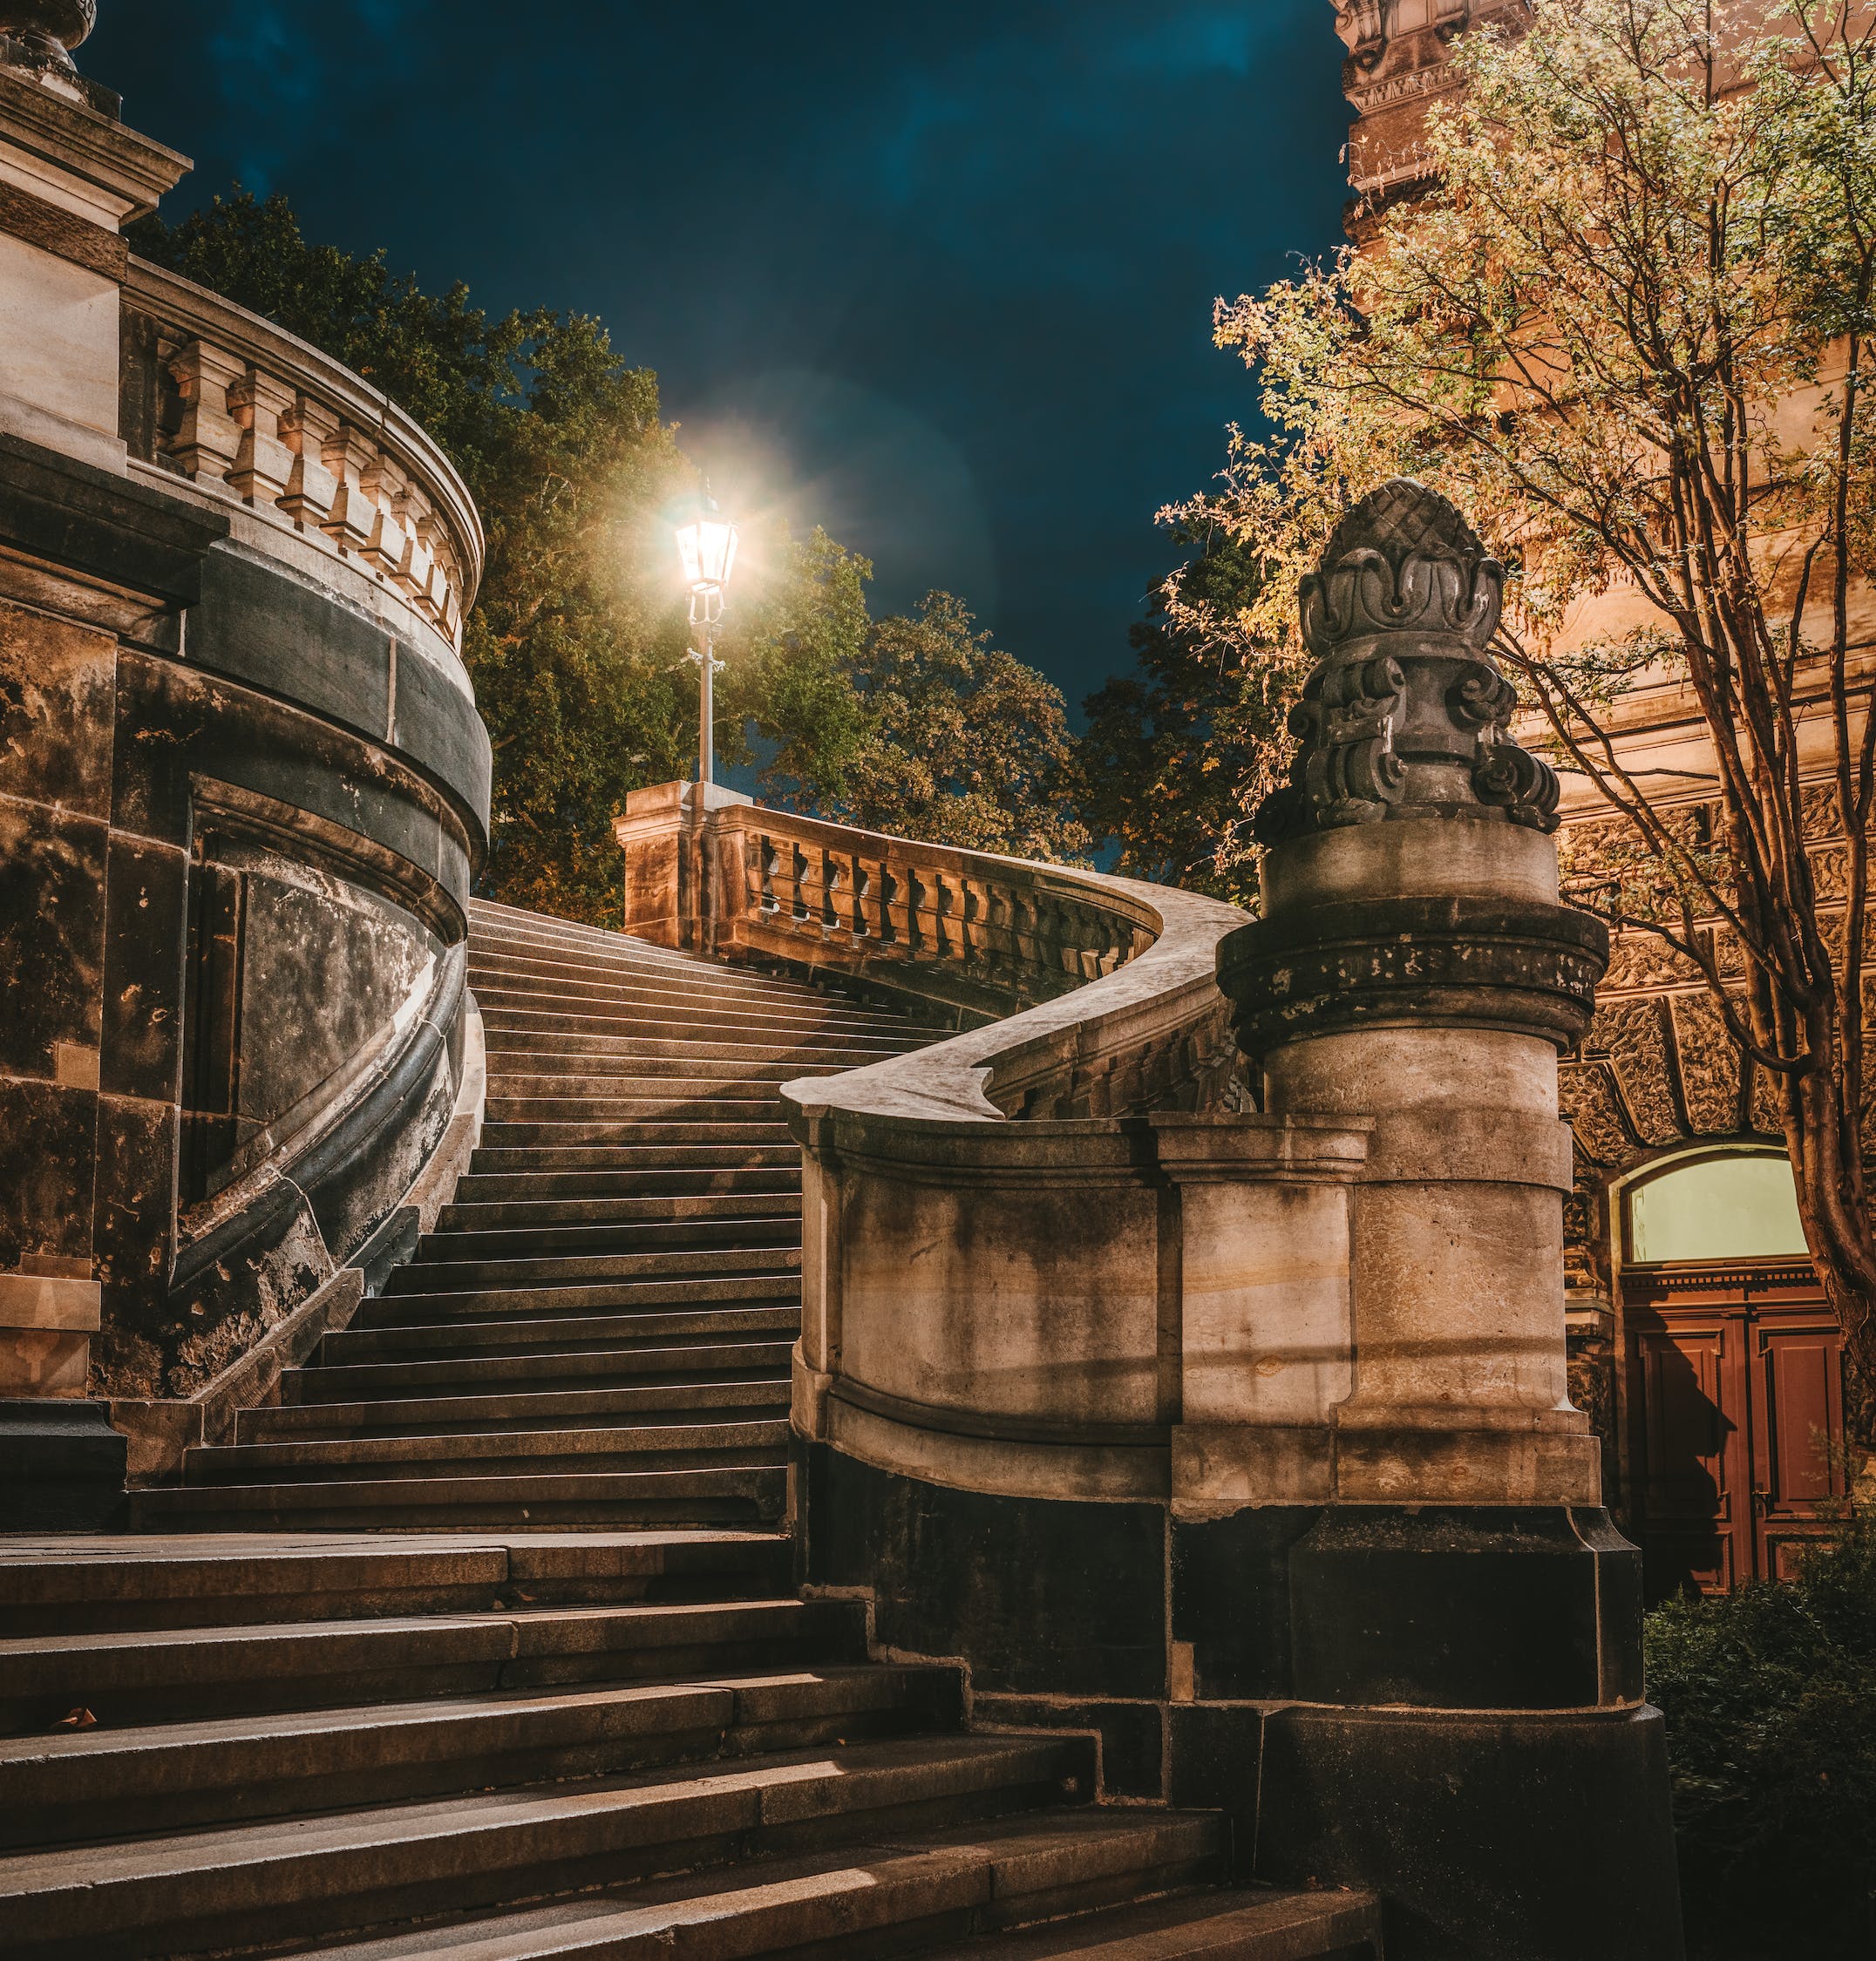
[146, 926]
[57, 683]
[51, 941]
[47, 1143]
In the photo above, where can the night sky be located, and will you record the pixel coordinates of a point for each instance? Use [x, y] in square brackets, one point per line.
[938, 276]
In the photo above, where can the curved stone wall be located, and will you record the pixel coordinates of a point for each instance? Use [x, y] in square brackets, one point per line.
[244, 791]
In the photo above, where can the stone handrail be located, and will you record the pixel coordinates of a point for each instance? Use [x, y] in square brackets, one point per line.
[1110, 981]
[228, 400]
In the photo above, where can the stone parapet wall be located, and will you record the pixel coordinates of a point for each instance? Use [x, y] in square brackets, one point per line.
[230, 402]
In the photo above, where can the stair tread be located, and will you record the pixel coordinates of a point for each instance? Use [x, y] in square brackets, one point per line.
[842, 1686]
[1251, 1925]
[854, 1888]
[775, 1787]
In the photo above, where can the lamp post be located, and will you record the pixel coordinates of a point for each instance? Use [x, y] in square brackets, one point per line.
[707, 544]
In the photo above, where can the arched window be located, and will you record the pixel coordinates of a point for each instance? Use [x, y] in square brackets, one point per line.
[1726, 1205]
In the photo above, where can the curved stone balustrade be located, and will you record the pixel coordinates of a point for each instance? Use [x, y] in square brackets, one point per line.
[226, 399]
[965, 937]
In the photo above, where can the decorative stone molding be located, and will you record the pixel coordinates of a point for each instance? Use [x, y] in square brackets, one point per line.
[49, 29]
[229, 402]
[1405, 713]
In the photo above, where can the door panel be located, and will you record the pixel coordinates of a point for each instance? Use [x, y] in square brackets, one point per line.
[1798, 1380]
[1736, 1423]
[1695, 1490]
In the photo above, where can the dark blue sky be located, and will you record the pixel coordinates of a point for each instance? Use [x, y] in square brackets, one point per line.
[938, 275]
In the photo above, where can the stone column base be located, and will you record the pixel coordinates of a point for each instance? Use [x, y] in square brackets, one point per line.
[1544, 1835]
[62, 1467]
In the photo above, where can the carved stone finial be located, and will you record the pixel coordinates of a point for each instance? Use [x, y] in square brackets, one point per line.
[1405, 713]
[47, 30]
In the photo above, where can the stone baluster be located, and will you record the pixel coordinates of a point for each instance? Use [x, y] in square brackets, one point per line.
[306, 429]
[264, 462]
[798, 882]
[348, 523]
[764, 861]
[209, 440]
[862, 891]
[915, 898]
[387, 548]
[433, 536]
[419, 568]
[943, 946]
[830, 889]
[892, 894]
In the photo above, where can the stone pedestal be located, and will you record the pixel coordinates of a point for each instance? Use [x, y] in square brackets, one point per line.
[674, 871]
[1414, 968]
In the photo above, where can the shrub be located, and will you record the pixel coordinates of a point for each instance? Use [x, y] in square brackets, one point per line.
[1769, 1696]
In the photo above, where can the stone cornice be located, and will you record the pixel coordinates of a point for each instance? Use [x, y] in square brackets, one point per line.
[100, 150]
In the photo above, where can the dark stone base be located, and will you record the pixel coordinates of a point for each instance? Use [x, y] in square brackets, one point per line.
[1547, 1837]
[1511, 1805]
[62, 1467]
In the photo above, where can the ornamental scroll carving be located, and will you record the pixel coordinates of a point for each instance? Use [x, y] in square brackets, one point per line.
[1405, 713]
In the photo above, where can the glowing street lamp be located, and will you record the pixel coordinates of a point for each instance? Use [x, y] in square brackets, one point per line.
[707, 544]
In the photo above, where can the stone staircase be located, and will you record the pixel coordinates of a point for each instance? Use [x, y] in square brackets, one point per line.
[482, 1646]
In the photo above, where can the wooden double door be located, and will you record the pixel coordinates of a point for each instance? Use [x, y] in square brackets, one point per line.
[1735, 1421]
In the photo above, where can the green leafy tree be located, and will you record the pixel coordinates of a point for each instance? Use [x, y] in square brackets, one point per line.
[1178, 754]
[961, 743]
[576, 644]
[1630, 333]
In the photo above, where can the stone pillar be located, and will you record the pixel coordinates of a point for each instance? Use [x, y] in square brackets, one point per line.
[674, 872]
[1414, 968]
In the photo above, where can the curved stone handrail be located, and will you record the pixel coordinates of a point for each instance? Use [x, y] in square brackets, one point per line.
[233, 403]
[1147, 1031]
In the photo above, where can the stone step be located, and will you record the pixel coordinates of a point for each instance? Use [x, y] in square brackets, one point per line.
[684, 999]
[860, 1901]
[731, 1495]
[715, 1225]
[511, 1007]
[715, 1305]
[817, 1053]
[749, 1130]
[113, 1783]
[174, 1674]
[1251, 1925]
[493, 948]
[463, 1276]
[775, 1169]
[624, 1160]
[240, 1885]
[682, 1106]
[546, 967]
[558, 1073]
[680, 1443]
[539, 1367]
[573, 1409]
[106, 1583]
[755, 1194]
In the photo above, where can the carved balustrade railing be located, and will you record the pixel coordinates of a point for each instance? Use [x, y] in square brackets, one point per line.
[228, 401]
[1085, 995]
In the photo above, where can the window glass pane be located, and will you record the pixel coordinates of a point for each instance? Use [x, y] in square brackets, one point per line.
[1727, 1208]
